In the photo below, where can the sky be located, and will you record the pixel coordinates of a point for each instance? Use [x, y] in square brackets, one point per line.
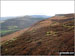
[21, 8]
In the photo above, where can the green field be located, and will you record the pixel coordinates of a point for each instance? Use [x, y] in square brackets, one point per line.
[6, 32]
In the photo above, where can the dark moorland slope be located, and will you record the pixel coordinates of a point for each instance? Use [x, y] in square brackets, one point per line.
[47, 37]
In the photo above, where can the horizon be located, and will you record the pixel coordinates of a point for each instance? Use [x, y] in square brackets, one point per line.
[23, 8]
[27, 15]
[36, 15]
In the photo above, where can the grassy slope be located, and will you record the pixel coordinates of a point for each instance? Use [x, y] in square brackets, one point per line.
[7, 32]
[44, 38]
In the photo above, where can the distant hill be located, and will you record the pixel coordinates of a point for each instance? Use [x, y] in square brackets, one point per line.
[9, 25]
[40, 16]
[34, 16]
[22, 22]
[46, 37]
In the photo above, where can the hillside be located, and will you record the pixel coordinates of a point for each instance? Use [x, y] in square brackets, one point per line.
[46, 37]
[14, 35]
[21, 22]
[13, 24]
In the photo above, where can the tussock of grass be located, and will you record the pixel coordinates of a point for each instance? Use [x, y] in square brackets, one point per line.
[53, 33]
[68, 26]
[6, 49]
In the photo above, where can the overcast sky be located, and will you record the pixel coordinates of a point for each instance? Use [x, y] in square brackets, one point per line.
[21, 8]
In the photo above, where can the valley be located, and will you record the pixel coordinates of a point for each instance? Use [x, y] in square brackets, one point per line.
[46, 37]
